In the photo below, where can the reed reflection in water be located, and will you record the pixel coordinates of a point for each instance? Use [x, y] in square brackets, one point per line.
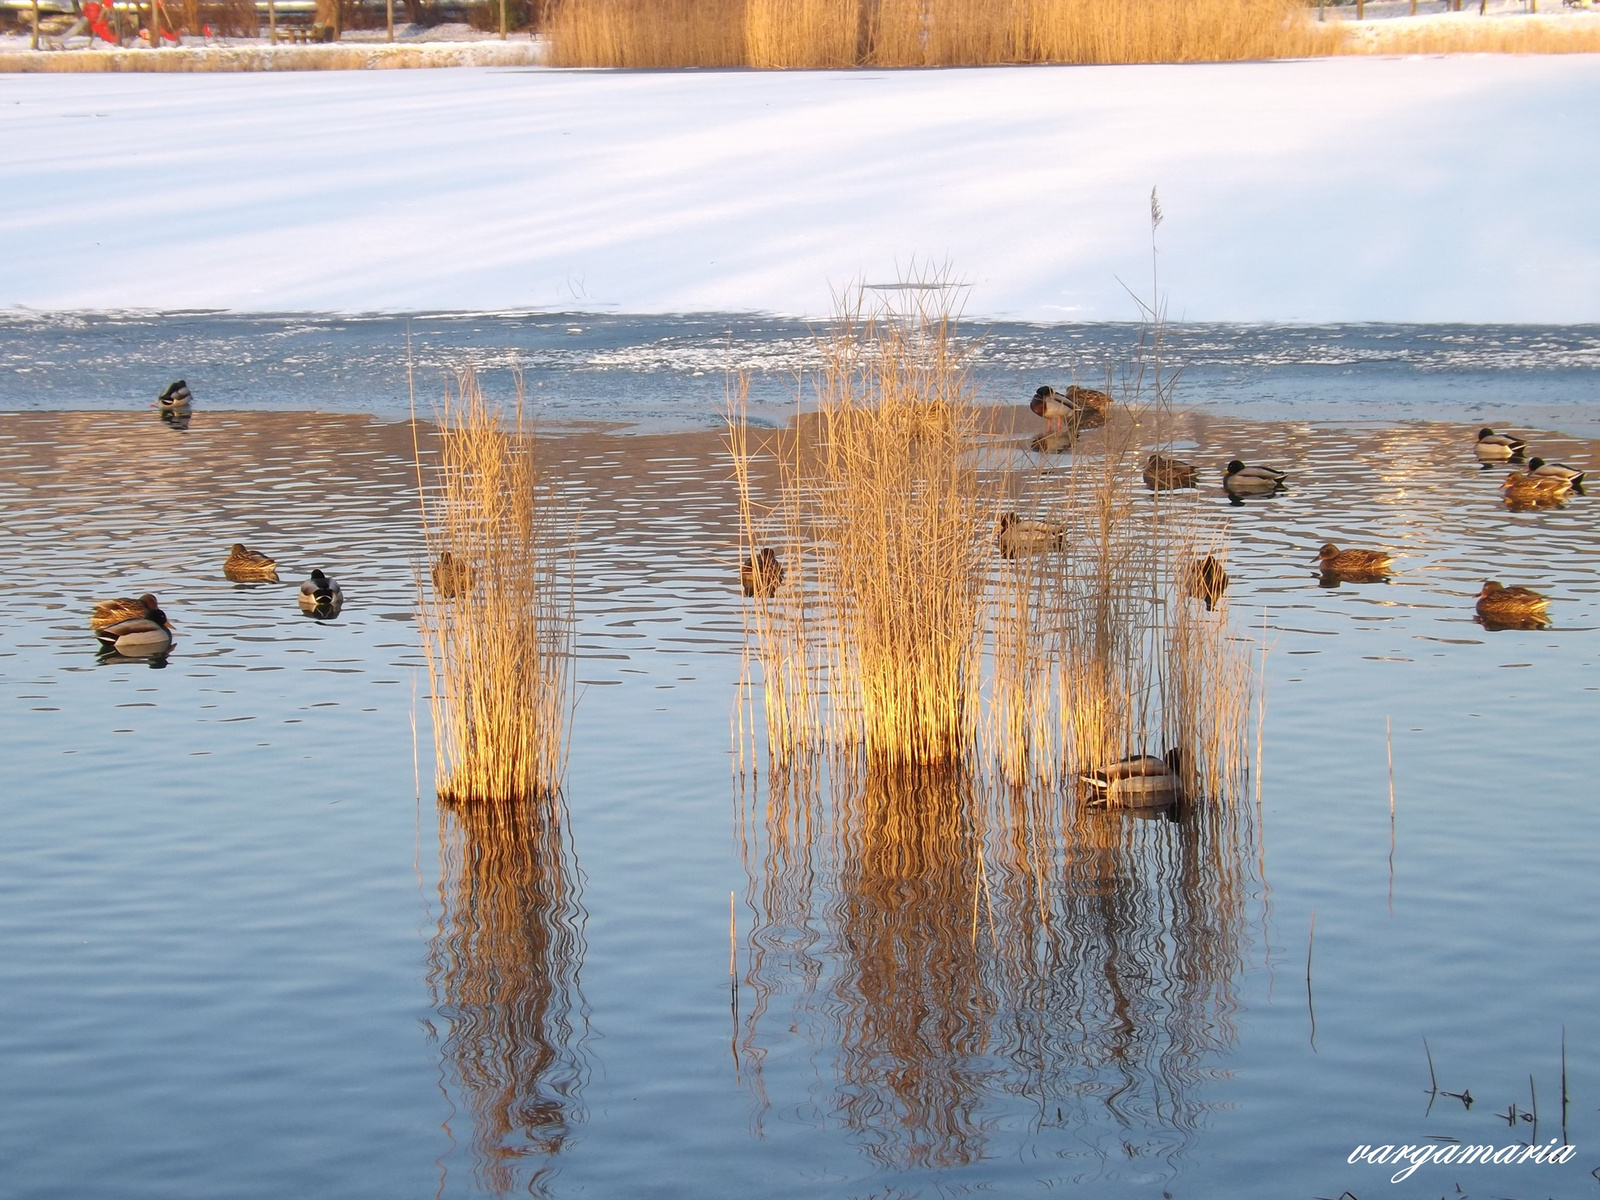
[503, 970]
[975, 958]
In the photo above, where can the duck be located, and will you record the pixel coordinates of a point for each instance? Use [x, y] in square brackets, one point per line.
[1511, 607]
[176, 398]
[1252, 481]
[1080, 405]
[762, 574]
[1354, 564]
[1162, 471]
[137, 637]
[1554, 470]
[1497, 446]
[1016, 537]
[1534, 489]
[123, 608]
[1204, 579]
[452, 576]
[320, 596]
[245, 565]
[1138, 781]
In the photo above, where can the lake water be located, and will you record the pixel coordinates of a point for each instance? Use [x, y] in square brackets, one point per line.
[243, 954]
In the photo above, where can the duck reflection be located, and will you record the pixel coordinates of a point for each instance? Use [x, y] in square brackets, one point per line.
[504, 974]
[981, 950]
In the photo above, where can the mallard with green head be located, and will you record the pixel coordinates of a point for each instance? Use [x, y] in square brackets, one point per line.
[138, 637]
[176, 398]
[1252, 481]
[320, 597]
[1497, 447]
[1554, 470]
[249, 566]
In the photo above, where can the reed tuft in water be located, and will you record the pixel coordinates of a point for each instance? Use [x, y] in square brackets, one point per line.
[500, 651]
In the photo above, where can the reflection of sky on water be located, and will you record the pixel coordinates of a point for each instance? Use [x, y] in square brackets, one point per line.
[670, 372]
[218, 892]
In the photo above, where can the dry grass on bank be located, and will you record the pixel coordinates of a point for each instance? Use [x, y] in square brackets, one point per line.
[499, 650]
[918, 33]
[1469, 34]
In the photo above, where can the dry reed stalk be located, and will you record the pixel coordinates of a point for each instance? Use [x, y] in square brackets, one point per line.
[914, 33]
[1473, 35]
[499, 651]
[503, 970]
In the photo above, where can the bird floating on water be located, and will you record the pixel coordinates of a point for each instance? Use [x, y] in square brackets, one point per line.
[137, 637]
[1495, 447]
[761, 575]
[1515, 607]
[1535, 489]
[123, 608]
[320, 596]
[248, 566]
[1163, 472]
[1204, 579]
[1139, 781]
[452, 576]
[1252, 481]
[1355, 565]
[1017, 537]
[1555, 470]
[176, 398]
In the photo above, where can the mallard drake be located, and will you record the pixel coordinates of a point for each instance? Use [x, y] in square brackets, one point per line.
[245, 565]
[1354, 564]
[1204, 579]
[1051, 405]
[1494, 446]
[1139, 781]
[1162, 471]
[452, 577]
[123, 608]
[761, 575]
[320, 596]
[176, 397]
[1512, 607]
[1534, 489]
[1015, 536]
[138, 637]
[1550, 470]
[1252, 481]
[1079, 405]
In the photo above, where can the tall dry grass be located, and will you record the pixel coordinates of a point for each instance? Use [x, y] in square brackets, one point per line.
[918, 33]
[879, 517]
[1473, 35]
[499, 651]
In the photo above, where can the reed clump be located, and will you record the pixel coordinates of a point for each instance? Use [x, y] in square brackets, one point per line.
[919, 33]
[499, 651]
[1473, 35]
[880, 513]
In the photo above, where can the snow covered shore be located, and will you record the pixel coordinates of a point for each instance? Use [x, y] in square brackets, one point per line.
[1440, 189]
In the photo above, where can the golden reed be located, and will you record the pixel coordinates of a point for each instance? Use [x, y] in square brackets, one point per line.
[499, 651]
[927, 33]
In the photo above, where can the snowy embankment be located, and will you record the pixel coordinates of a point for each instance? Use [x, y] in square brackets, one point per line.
[1455, 189]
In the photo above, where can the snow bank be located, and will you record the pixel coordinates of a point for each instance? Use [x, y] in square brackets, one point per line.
[1451, 189]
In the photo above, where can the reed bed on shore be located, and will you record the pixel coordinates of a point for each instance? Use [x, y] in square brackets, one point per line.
[499, 651]
[923, 33]
[1469, 34]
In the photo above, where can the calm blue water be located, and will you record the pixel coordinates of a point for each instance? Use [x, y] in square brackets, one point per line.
[227, 967]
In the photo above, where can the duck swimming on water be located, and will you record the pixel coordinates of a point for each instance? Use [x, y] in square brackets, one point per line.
[138, 637]
[1163, 472]
[1496, 447]
[1017, 537]
[1535, 489]
[1354, 565]
[1252, 481]
[1553, 470]
[176, 398]
[1515, 607]
[123, 608]
[249, 566]
[320, 596]
[761, 575]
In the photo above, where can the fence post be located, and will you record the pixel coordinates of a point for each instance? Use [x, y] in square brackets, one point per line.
[502, 20]
[272, 20]
[34, 44]
[389, 12]
[155, 24]
[1361, 10]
